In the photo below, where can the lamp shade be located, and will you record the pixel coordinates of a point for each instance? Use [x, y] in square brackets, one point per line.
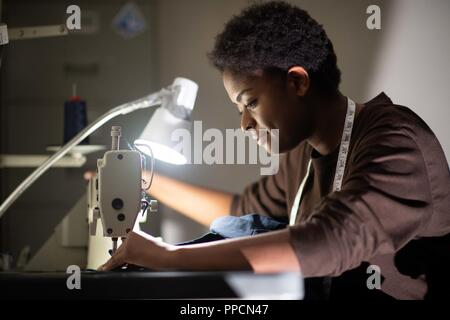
[186, 92]
[173, 114]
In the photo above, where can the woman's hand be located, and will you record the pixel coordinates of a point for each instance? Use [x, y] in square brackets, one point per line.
[265, 253]
[142, 250]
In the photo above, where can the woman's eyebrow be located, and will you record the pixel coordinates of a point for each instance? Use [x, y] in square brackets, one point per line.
[239, 96]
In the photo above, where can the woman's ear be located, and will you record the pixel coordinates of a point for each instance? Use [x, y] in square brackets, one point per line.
[298, 77]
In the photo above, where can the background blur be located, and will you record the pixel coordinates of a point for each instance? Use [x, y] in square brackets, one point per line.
[408, 59]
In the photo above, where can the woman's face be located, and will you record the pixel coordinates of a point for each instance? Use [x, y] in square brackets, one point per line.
[267, 102]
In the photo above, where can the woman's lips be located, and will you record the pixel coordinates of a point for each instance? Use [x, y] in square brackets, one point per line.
[262, 141]
[254, 134]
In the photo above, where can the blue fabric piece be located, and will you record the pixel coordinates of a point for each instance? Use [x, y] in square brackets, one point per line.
[248, 225]
[235, 227]
[205, 238]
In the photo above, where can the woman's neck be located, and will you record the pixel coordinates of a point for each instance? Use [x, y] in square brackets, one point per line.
[329, 123]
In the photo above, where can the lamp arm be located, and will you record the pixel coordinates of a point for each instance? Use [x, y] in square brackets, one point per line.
[146, 102]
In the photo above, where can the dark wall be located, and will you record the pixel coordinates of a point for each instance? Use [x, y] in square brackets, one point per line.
[37, 77]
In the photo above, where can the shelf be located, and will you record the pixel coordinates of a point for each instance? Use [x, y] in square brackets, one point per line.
[75, 158]
[34, 161]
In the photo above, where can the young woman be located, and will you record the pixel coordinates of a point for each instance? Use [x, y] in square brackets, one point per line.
[359, 182]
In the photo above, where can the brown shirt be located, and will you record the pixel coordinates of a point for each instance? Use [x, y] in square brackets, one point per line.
[396, 188]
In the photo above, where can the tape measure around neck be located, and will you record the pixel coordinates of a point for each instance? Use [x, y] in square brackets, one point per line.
[340, 165]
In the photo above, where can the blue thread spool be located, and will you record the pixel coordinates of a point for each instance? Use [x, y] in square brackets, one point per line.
[75, 117]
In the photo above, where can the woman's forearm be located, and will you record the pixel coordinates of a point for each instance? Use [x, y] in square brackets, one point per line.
[200, 204]
[269, 252]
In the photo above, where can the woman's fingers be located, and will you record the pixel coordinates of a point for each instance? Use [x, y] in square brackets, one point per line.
[138, 248]
[110, 264]
[116, 260]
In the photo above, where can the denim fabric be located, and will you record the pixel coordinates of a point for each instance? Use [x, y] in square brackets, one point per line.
[235, 227]
[248, 225]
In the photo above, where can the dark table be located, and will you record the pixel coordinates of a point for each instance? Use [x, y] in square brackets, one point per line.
[151, 285]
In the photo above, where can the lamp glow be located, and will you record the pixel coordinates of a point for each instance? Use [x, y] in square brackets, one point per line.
[161, 152]
[174, 114]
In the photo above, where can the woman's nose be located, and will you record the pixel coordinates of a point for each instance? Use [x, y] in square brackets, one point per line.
[247, 122]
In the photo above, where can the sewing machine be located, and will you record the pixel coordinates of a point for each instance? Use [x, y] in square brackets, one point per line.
[116, 194]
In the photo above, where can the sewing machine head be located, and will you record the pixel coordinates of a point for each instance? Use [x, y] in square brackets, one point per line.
[115, 193]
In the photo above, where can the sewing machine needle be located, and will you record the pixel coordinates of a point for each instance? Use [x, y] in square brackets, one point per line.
[114, 248]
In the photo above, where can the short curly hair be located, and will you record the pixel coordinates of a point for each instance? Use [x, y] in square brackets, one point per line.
[277, 36]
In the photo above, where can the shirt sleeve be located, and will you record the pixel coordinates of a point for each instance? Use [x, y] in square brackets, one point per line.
[266, 197]
[384, 202]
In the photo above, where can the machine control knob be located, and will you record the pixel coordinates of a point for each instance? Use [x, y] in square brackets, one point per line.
[117, 203]
[153, 206]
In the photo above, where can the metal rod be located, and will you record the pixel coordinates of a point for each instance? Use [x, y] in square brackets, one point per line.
[37, 32]
[116, 132]
[114, 247]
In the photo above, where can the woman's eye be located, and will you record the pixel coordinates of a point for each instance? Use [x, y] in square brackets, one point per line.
[252, 104]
